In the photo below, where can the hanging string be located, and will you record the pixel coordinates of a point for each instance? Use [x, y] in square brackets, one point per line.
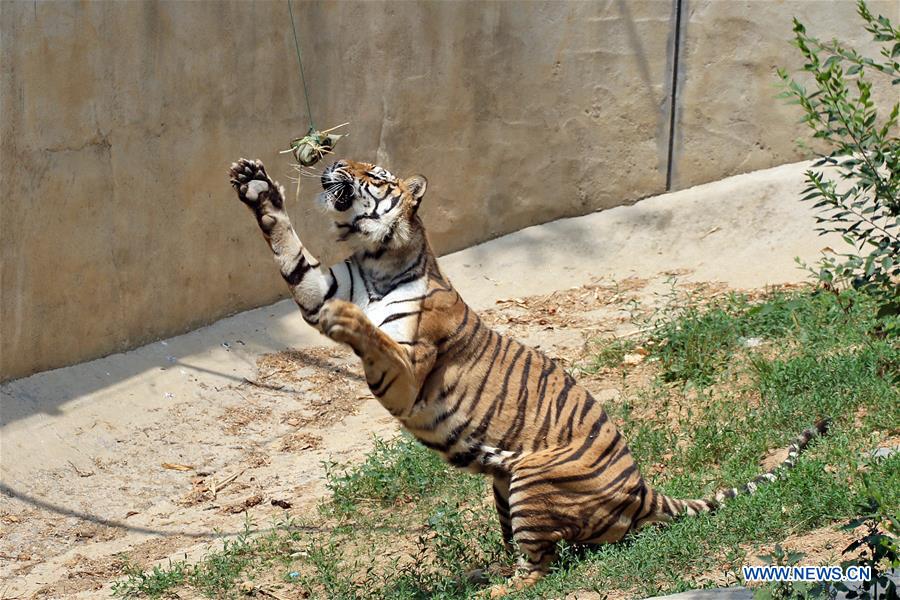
[309, 149]
[300, 62]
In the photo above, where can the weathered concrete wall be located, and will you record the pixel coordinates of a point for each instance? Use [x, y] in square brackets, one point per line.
[119, 120]
[517, 113]
[727, 118]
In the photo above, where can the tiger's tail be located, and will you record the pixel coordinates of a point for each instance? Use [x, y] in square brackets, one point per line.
[668, 508]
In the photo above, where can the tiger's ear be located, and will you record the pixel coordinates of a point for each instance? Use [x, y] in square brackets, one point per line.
[416, 186]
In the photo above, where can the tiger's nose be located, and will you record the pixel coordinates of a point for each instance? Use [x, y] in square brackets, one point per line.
[338, 164]
[327, 174]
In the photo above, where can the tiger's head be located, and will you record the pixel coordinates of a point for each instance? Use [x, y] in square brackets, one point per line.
[371, 207]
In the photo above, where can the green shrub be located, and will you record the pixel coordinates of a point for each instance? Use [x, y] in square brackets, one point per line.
[863, 202]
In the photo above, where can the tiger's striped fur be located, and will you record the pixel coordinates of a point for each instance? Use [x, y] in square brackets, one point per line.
[485, 402]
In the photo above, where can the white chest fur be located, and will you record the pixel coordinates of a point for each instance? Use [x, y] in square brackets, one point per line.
[397, 314]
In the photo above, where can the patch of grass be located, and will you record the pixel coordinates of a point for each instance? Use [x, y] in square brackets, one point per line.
[395, 472]
[220, 572]
[695, 341]
[694, 346]
[139, 583]
[401, 490]
[606, 353]
[403, 525]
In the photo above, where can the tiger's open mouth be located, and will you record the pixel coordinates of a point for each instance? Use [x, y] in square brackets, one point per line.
[338, 188]
[341, 195]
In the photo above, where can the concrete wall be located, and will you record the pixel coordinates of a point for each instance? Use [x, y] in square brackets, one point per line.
[119, 120]
[727, 120]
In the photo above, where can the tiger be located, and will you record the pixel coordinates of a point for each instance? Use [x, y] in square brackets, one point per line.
[484, 401]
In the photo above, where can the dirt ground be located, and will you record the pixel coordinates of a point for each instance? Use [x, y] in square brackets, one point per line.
[275, 428]
[153, 451]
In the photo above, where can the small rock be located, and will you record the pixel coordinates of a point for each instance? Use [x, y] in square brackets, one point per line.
[751, 342]
[240, 507]
[632, 359]
[607, 395]
[883, 452]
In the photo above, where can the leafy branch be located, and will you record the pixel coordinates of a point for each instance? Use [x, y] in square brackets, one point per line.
[862, 203]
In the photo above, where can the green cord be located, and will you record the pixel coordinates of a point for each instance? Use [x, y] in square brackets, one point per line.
[312, 127]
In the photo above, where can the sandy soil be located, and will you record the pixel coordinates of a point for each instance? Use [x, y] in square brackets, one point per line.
[151, 451]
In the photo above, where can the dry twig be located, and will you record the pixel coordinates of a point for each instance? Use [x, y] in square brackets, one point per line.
[218, 485]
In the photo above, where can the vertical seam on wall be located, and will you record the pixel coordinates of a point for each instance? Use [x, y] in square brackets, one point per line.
[673, 98]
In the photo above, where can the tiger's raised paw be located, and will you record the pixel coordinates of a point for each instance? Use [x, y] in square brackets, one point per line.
[345, 323]
[250, 181]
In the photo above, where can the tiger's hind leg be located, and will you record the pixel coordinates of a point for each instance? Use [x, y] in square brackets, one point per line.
[538, 554]
[572, 493]
[527, 517]
[501, 503]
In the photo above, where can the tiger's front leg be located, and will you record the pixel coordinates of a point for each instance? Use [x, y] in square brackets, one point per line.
[310, 285]
[389, 371]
